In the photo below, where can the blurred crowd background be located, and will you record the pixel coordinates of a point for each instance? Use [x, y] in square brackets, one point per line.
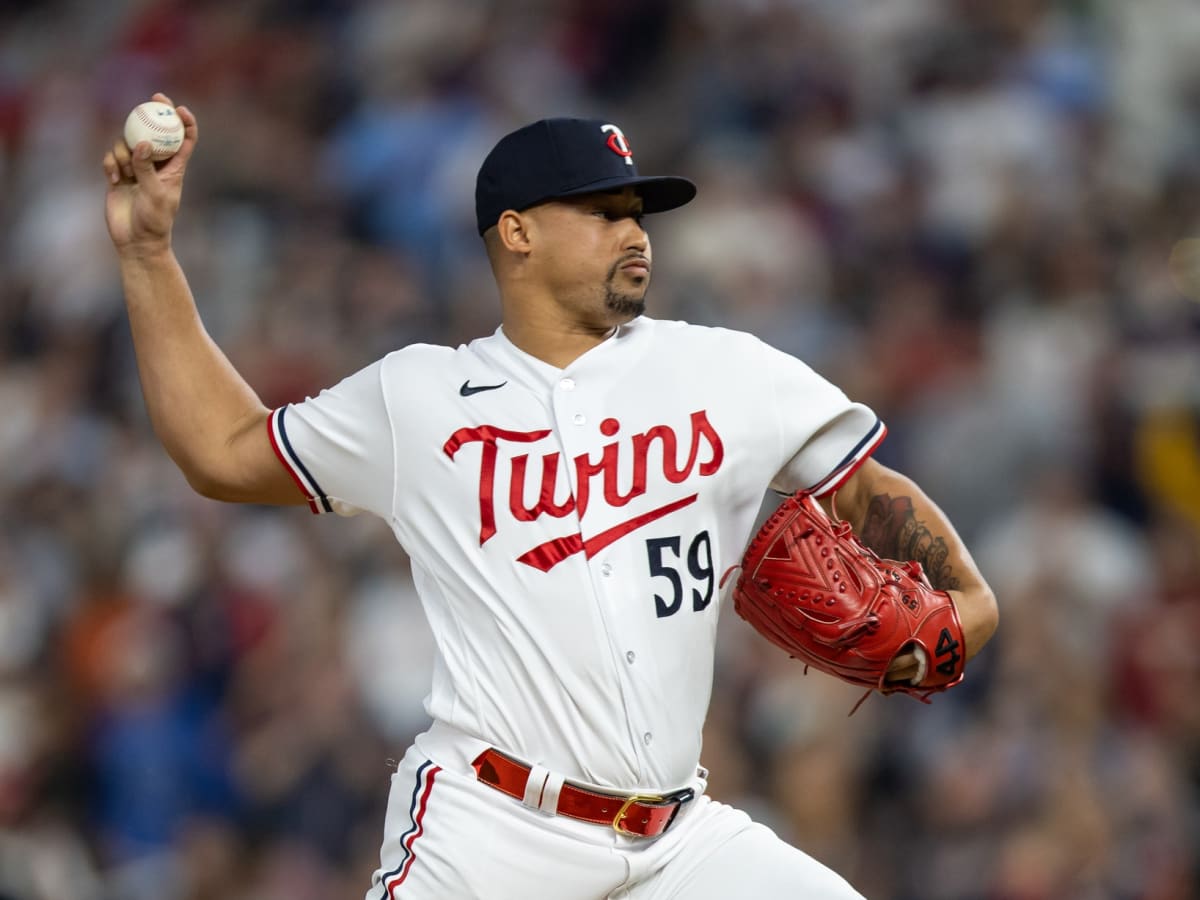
[981, 218]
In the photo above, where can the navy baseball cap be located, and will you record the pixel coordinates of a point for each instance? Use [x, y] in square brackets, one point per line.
[554, 158]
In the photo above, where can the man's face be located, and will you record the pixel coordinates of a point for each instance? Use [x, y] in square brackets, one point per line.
[595, 255]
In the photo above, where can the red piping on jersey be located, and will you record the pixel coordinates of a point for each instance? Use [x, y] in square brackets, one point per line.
[854, 465]
[312, 501]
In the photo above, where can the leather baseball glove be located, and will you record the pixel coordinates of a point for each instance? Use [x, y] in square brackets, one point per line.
[810, 586]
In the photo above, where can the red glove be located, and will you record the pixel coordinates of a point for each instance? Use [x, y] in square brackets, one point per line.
[811, 587]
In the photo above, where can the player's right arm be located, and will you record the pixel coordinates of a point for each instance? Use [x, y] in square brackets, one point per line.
[208, 418]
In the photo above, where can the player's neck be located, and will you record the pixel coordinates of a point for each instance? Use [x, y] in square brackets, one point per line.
[557, 343]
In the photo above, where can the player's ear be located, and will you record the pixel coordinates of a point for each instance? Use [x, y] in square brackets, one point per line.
[512, 230]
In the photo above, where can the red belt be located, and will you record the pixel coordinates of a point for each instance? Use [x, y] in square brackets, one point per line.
[643, 815]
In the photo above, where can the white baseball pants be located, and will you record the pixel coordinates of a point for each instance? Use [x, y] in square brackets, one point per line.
[449, 837]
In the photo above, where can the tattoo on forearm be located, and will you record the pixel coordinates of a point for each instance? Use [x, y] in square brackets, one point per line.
[892, 530]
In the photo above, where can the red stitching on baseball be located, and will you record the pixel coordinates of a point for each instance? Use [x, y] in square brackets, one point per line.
[146, 120]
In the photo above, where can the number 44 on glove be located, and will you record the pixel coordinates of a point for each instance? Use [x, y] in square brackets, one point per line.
[810, 586]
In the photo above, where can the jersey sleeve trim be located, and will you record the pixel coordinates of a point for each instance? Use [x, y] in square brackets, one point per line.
[851, 461]
[318, 502]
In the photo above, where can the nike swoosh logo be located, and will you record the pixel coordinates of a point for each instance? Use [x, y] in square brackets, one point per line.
[467, 390]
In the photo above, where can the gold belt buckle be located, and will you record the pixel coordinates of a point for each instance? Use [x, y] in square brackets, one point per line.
[618, 822]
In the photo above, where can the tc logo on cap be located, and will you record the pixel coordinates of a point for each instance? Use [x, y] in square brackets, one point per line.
[552, 159]
[617, 143]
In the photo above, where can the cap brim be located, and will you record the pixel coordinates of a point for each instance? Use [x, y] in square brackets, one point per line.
[659, 193]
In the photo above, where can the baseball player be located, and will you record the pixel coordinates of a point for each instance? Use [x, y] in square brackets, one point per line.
[569, 489]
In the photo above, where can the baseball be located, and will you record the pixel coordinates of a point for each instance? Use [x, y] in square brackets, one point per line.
[157, 123]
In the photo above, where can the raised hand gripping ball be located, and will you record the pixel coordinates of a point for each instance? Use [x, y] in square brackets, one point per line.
[157, 123]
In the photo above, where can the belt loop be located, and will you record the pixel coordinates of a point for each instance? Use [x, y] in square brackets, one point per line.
[535, 786]
[549, 804]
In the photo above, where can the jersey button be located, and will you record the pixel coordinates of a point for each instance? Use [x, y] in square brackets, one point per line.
[567, 384]
[647, 738]
[579, 419]
[606, 569]
[631, 656]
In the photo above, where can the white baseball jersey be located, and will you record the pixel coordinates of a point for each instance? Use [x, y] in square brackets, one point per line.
[568, 527]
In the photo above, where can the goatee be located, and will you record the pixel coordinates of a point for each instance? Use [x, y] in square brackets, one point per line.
[623, 305]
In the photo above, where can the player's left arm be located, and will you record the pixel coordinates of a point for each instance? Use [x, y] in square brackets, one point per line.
[895, 518]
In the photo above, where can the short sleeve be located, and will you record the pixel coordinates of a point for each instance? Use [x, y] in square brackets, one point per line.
[339, 447]
[825, 436]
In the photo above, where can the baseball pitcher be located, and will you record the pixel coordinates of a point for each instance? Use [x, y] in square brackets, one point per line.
[571, 489]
